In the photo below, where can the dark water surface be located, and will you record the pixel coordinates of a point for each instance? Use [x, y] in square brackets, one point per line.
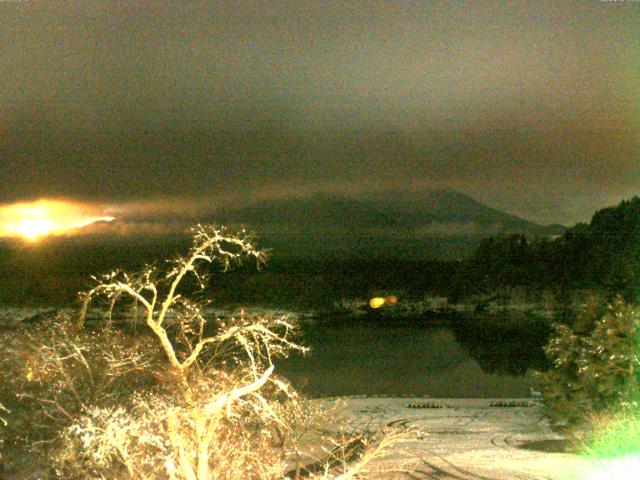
[436, 361]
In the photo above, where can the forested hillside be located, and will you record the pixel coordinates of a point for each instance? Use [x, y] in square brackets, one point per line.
[604, 254]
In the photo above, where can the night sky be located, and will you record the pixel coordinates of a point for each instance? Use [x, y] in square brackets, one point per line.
[530, 107]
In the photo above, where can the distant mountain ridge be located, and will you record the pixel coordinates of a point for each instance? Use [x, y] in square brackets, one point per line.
[439, 224]
[387, 210]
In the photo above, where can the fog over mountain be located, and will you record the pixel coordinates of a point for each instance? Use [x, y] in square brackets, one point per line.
[433, 224]
[438, 213]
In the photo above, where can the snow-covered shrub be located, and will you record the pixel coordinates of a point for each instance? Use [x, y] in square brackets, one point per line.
[595, 363]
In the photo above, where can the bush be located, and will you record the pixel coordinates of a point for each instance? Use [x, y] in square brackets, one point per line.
[54, 373]
[595, 364]
[159, 436]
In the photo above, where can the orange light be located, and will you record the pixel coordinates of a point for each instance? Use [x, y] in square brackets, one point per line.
[32, 228]
[392, 300]
[35, 220]
[377, 302]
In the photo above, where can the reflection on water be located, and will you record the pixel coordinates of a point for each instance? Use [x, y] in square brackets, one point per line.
[401, 361]
[502, 345]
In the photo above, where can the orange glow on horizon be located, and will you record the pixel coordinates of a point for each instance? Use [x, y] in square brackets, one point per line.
[32, 221]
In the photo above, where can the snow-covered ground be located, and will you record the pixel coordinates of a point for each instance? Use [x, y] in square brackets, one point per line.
[469, 439]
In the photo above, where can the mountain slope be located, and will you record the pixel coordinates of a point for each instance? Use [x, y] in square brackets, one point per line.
[387, 210]
[437, 224]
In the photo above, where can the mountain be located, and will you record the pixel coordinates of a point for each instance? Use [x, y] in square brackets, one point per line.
[440, 223]
[448, 207]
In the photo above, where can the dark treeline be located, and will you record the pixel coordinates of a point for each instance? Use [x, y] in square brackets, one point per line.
[602, 255]
[54, 271]
[320, 283]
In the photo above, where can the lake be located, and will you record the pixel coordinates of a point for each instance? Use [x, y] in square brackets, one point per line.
[436, 361]
[466, 357]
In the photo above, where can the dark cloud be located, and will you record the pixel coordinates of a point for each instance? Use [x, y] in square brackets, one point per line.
[530, 106]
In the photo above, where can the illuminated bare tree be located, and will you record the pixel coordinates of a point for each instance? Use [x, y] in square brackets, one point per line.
[223, 414]
[157, 293]
[3, 423]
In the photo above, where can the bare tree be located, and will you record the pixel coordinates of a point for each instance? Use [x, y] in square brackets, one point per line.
[3, 423]
[251, 342]
[210, 244]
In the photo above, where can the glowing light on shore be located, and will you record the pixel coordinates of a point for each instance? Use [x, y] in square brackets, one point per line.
[392, 300]
[32, 221]
[377, 302]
